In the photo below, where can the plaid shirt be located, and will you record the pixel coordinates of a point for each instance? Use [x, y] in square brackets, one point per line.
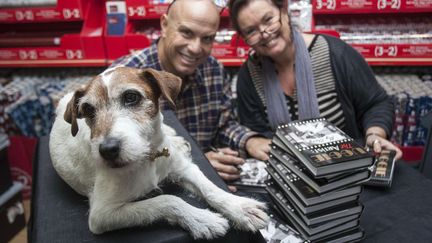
[204, 104]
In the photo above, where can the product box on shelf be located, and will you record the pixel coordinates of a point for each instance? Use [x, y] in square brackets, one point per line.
[53, 42]
[12, 218]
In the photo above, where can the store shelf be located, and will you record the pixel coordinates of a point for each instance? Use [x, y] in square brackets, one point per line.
[370, 6]
[65, 10]
[81, 45]
[396, 54]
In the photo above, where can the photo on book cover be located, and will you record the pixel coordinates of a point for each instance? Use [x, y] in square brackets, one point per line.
[278, 232]
[253, 173]
[307, 134]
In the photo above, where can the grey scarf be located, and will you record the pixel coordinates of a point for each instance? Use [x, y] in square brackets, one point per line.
[277, 110]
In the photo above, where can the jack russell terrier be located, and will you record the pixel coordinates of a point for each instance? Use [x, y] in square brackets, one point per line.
[109, 143]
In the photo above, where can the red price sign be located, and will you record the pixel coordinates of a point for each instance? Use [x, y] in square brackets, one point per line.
[28, 54]
[71, 13]
[386, 51]
[74, 54]
[24, 15]
[325, 4]
[139, 11]
[389, 4]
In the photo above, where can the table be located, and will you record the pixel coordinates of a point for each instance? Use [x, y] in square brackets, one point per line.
[401, 214]
[59, 214]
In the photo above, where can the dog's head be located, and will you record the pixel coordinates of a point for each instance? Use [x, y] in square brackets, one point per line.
[121, 108]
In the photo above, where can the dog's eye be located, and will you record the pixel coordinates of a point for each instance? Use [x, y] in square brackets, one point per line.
[88, 111]
[131, 98]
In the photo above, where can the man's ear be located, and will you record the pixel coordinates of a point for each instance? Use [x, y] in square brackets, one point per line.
[71, 114]
[168, 83]
[163, 24]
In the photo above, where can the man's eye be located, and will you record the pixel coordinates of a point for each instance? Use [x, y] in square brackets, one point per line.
[131, 98]
[208, 39]
[186, 33]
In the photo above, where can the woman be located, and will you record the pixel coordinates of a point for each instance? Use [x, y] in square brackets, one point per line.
[294, 76]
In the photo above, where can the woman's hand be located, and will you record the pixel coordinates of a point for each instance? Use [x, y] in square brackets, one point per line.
[378, 143]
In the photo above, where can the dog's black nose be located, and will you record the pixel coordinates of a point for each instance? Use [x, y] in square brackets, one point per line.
[109, 149]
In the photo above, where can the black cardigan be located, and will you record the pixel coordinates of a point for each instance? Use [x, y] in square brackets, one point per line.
[364, 102]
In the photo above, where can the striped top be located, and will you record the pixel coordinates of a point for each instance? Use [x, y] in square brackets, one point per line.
[328, 103]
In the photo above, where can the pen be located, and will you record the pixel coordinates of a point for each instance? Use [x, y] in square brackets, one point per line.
[215, 150]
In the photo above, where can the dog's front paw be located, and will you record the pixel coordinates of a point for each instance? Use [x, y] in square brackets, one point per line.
[204, 224]
[247, 214]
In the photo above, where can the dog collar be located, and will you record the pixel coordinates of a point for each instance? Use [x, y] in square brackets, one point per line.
[157, 154]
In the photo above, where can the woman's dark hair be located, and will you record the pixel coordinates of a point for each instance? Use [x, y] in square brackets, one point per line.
[235, 6]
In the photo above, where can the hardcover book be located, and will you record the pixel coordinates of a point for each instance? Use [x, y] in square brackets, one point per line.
[302, 190]
[351, 235]
[322, 147]
[318, 232]
[344, 210]
[276, 141]
[290, 212]
[307, 209]
[382, 172]
[320, 185]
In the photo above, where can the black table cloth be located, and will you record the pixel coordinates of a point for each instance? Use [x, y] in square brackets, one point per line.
[59, 214]
[402, 213]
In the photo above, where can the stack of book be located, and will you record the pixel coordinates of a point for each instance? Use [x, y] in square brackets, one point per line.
[316, 172]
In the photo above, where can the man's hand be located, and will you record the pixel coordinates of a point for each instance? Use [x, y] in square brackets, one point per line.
[225, 161]
[258, 147]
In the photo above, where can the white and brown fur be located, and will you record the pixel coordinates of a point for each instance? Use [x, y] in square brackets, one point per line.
[101, 144]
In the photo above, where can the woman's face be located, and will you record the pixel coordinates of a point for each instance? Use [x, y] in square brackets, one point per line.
[257, 20]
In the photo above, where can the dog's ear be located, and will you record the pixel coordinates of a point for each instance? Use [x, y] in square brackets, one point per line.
[168, 83]
[71, 113]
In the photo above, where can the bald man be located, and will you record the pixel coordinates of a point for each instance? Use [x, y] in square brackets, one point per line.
[204, 104]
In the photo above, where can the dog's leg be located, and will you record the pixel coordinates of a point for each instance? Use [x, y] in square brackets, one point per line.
[201, 223]
[246, 213]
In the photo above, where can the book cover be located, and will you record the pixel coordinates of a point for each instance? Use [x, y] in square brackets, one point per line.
[344, 210]
[276, 141]
[320, 185]
[382, 170]
[310, 233]
[252, 176]
[351, 235]
[295, 200]
[322, 147]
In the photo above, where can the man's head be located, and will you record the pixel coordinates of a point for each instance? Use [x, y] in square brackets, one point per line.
[188, 31]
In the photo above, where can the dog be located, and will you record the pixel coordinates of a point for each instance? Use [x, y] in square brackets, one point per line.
[109, 143]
